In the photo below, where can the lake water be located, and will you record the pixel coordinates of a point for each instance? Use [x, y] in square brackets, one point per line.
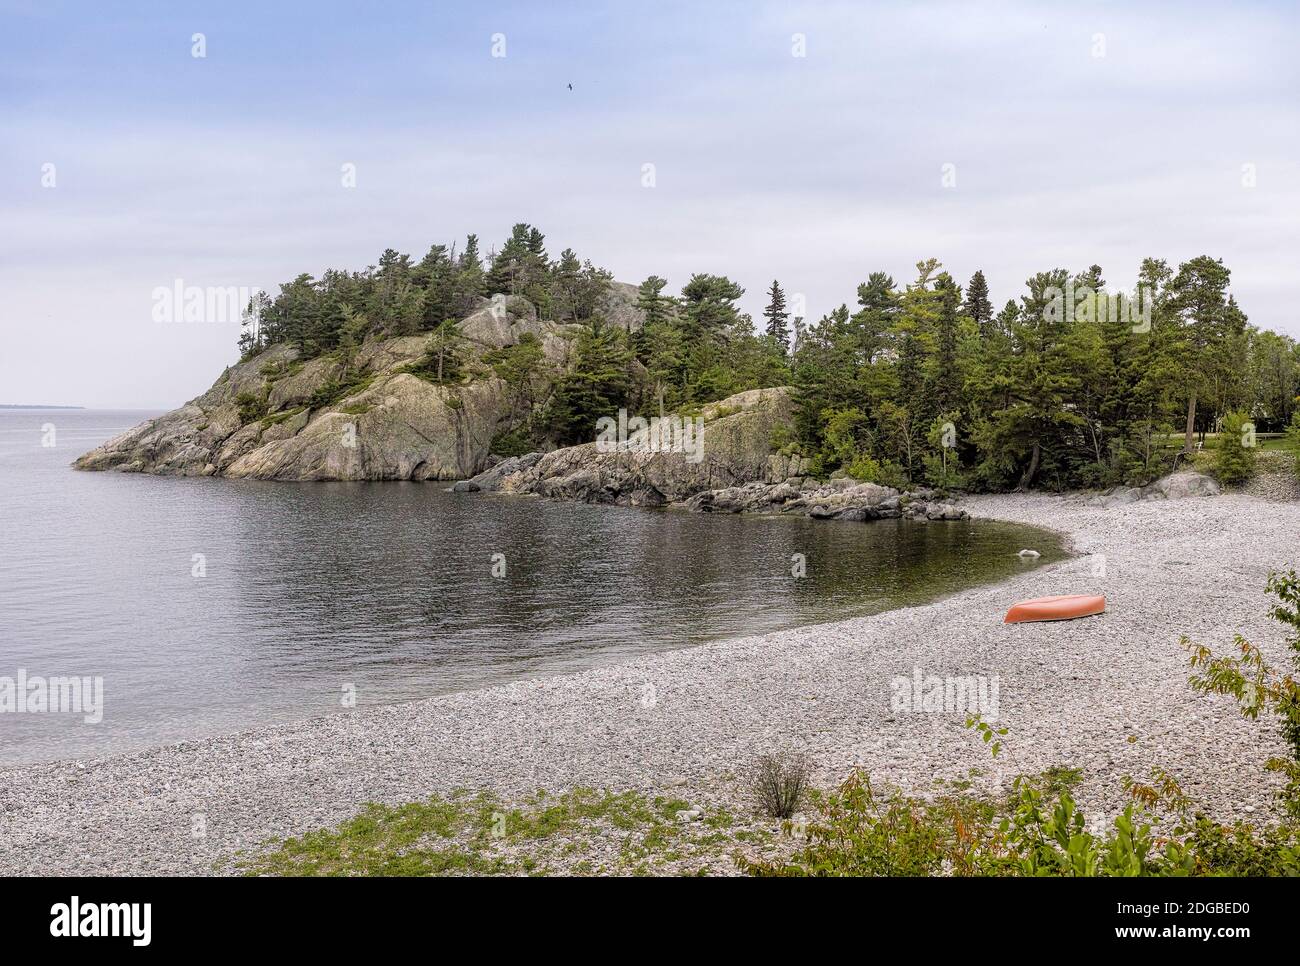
[388, 588]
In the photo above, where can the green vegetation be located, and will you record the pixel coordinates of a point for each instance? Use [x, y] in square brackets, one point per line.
[1234, 458]
[404, 297]
[335, 390]
[251, 407]
[283, 416]
[582, 831]
[1293, 439]
[1072, 384]
[442, 361]
[1039, 830]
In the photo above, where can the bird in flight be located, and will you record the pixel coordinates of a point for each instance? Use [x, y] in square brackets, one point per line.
[570, 87]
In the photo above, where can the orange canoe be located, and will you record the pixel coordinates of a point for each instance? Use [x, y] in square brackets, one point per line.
[1055, 608]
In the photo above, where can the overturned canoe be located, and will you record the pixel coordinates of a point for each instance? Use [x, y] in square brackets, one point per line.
[1055, 608]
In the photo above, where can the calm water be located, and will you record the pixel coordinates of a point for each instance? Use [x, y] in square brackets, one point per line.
[388, 587]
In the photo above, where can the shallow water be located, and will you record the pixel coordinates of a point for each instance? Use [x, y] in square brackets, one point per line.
[311, 592]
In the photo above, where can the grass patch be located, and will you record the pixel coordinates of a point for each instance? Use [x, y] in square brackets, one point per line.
[275, 419]
[583, 831]
[333, 391]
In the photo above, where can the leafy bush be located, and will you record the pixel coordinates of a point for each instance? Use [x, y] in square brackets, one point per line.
[892, 474]
[1293, 438]
[251, 407]
[1040, 831]
[782, 441]
[1234, 461]
[444, 359]
[778, 783]
[1256, 685]
[863, 469]
[519, 363]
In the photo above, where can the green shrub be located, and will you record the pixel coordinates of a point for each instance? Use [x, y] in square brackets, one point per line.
[892, 474]
[512, 442]
[942, 473]
[1293, 438]
[782, 440]
[863, 469]
[1039, 832]
[333, 391]
[1257, 686]
[778, 783]
[251, 407]
[276, 419]
[516, 364]
[1234, 460]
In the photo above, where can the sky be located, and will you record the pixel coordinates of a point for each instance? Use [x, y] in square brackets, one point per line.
[811, 143]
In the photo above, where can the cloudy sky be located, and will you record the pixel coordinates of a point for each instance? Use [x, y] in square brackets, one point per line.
[1077, 133]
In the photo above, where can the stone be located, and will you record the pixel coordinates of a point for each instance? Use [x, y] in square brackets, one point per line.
[736, 450]
[1181, 485]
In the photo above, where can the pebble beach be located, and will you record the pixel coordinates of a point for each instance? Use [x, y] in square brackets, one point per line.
[1105, 694]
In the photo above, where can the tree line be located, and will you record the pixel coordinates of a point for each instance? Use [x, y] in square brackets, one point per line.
[400, 296]
[1072, 384]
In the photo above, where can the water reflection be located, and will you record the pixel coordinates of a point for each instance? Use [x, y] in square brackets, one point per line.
[389, 587]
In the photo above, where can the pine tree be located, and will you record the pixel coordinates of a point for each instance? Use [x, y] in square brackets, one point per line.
[596, 385]
[566, 282]
[469, 284]
[1234, 462]
[977, 307]
[1198, 299]
[947, 376]
[652, 302]
[709, 305]
[776, 316]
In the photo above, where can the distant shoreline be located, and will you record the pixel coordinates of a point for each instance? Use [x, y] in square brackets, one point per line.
[21, 406]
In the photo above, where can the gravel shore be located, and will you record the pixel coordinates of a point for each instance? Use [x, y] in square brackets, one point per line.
[1107, 694]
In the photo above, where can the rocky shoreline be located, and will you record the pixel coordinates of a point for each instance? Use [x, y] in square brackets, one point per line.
[838, 499]
[1107, 695]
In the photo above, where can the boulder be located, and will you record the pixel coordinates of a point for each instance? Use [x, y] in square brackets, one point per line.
[944, 511]
[734, 451]
[619, 306]
[1119, 496]
[1181, 485]
[503, 320]
[838, 499]
[490, 479]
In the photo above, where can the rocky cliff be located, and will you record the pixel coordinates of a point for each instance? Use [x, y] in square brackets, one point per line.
[376, 417]
[276, 417]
